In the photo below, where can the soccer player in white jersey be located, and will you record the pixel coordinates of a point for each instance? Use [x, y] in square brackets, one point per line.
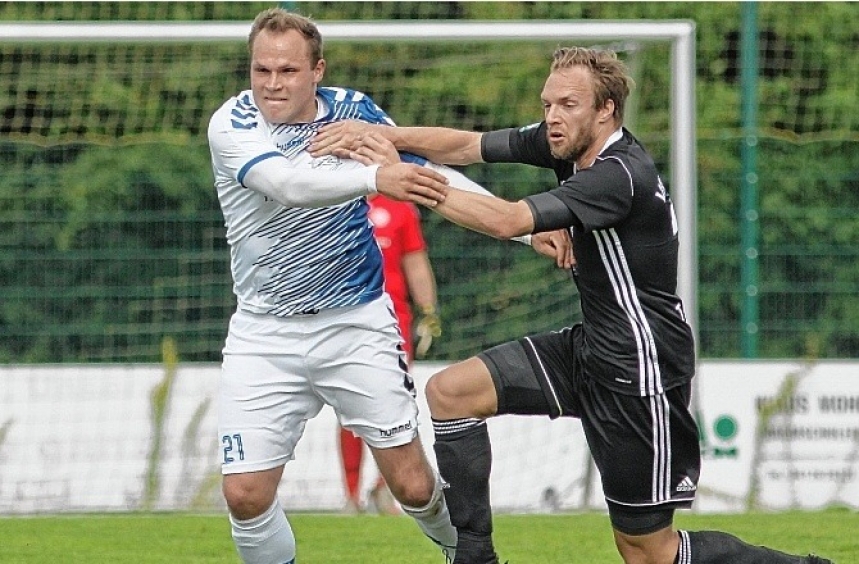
[313, 325]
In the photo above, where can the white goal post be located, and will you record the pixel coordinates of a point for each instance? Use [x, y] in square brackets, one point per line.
[189, 417]
[679, 33]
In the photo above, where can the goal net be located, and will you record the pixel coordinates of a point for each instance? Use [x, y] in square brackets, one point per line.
[114, 242]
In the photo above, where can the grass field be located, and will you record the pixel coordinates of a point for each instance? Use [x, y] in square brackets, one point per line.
[334, 539]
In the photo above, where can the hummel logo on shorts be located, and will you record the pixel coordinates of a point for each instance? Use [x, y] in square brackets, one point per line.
[686, 485]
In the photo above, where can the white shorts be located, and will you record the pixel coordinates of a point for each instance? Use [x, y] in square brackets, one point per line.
[278, 372]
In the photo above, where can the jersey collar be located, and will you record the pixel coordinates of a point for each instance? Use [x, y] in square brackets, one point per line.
[611, 139]
[321, 108]
[614, 137]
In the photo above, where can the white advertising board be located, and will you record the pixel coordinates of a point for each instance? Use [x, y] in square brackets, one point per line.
[774, 435]
[779, 435]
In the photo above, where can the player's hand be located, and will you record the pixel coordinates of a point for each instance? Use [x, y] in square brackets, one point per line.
[340, 138]
[374, 148]
[398, 180]
[557, 245]
[413, 183]
[428, 328]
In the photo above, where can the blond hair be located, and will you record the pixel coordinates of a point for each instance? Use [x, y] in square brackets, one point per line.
[279, 20]
[611, 78]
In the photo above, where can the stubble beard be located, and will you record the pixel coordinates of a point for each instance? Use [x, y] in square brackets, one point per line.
[574, 151]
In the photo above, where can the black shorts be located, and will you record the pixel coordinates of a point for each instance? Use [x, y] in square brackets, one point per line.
[646, 448]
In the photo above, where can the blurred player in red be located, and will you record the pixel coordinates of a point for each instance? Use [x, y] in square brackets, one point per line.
[408, 279]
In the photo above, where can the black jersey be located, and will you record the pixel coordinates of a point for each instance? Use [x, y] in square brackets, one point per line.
[636, 339]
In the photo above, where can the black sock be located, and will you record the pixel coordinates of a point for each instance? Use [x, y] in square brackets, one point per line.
[464, 457]
[714, 547]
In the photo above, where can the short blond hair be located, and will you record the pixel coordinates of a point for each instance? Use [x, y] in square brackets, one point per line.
[279, 20]
[611, 78]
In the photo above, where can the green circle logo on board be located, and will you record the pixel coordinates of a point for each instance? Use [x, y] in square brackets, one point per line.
[725, 427]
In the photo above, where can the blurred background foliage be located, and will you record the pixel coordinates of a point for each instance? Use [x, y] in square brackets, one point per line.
[112, 238]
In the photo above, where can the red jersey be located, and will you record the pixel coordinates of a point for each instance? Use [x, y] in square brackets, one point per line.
[397, 228]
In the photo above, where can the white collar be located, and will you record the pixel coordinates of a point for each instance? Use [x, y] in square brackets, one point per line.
[321, 108]
[611, 139]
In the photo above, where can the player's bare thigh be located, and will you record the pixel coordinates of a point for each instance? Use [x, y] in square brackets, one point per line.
[464, 389]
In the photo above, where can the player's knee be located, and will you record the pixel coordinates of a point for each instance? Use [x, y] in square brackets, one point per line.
[438, 398]
[246, 498]
[630, 550]
[457, 392]
[446, 396]
[414, 488]
[412, 494]
[647, 548]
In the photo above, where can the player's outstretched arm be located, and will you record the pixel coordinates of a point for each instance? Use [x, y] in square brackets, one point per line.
[439, 144]
[411, 182]
[489, 215]
[396, 179]
[470, 205]
[312, 188]
[461, 182]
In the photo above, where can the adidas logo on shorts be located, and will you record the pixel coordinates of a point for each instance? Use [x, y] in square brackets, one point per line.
[686, 485]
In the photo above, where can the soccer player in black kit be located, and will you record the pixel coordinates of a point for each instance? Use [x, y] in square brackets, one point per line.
[625, 371]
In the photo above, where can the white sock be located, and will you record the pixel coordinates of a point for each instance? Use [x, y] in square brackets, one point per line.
[434, 521]
[266, 539]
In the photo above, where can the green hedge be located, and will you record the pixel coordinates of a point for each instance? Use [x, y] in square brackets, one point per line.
[112, 238]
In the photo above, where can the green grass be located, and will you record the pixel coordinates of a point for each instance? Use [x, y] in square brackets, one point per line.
[334, 539]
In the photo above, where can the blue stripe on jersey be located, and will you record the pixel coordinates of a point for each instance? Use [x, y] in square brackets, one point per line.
[350, 104]
[244, 113]
[412, 158]
[320, 258]
[248, 165]
[300, 137]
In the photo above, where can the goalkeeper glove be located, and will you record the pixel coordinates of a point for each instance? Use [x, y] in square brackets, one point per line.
[428, 327]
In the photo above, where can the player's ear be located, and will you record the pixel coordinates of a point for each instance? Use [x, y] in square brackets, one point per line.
[606, 113]
[319, 71]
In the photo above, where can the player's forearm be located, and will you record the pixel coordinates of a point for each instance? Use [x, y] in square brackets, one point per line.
[462, 182]
[487, 214]
[306, 188]
[420, 279]
[439, 144]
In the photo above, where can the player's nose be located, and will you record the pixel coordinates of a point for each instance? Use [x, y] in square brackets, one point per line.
[273, 82]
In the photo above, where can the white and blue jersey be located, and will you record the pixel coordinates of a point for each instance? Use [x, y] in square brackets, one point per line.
[308, 246]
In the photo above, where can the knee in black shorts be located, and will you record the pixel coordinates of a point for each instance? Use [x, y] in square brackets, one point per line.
[639, 521]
